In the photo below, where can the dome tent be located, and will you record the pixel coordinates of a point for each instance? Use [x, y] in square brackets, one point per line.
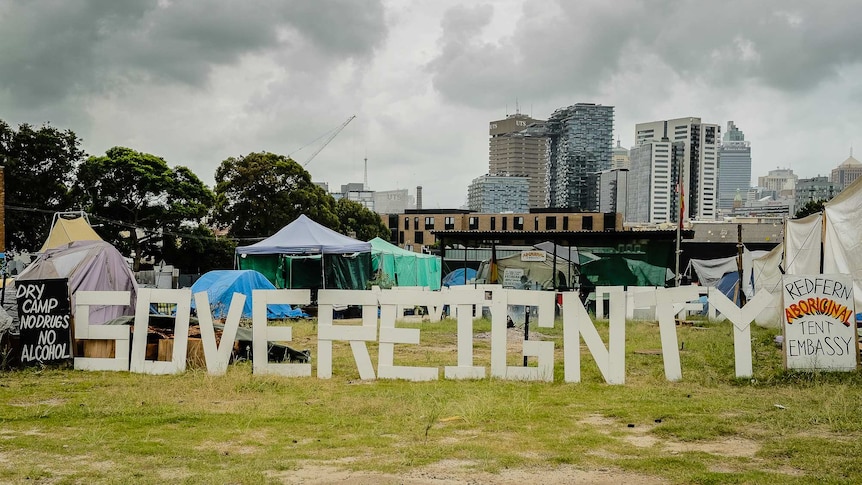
[220, 286]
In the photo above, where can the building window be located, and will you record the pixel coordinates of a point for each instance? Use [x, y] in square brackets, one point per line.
[536, 223]
[429, 223]
[551, 223]
[416, 223]
[587, 223]
[449, 224]
[565, 223]
[519, 224]
[493, 223]
[419, 237]
[474, 223]
[505, 223]
[406, 223]
[401, 237]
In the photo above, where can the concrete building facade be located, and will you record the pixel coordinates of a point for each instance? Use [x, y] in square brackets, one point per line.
[781, 180]
[652, 182]
[818, 188]
[698, 170]
[613, 190]
[845, 174]
[517, 150]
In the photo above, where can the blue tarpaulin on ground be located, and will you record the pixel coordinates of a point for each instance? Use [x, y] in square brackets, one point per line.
[222, 284]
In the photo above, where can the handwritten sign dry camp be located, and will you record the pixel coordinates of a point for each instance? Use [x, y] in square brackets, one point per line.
[45, 314]
[819, 322]
[512, 277]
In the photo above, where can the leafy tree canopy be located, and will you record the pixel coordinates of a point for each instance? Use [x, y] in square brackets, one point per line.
[198, 250]
[259, 193]
[810, 207]
[359, 222]
[133, 190]
[39, 165]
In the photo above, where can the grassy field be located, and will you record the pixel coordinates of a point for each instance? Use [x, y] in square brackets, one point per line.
[65, 426]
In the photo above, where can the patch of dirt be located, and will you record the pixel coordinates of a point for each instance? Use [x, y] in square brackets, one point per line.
[46, 402]
[736, 447]
[457, 472]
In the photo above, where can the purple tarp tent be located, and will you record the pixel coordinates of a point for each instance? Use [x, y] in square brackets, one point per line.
[89, 265]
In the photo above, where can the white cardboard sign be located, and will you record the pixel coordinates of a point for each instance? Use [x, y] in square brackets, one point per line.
[819, 323]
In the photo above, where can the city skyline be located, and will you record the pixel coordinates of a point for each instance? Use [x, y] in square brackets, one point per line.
[198, 82]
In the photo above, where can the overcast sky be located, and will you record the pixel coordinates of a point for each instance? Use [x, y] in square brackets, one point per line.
[198, 81]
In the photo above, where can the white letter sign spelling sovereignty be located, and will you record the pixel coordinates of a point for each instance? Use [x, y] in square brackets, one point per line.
[183, 300]
[543, 351]
[263, 334]
[118, 333]
[218, 356]
[664, 298]
[356, 335]
[577, 323]
[390, 301]
[819, 322]
[462, 301]
[741, 319]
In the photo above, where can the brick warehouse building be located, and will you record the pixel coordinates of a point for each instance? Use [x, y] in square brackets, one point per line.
[412, 230]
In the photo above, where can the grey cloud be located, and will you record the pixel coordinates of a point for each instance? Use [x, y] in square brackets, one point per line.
[51, 50]
[575, 47]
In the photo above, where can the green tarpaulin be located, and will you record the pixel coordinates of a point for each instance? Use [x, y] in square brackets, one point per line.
[405, 268]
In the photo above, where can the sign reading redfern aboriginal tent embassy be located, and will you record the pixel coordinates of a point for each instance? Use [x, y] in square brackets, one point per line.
[819, 323]
[45, 314]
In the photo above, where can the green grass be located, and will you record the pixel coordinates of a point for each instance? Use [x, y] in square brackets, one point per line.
[65, 426]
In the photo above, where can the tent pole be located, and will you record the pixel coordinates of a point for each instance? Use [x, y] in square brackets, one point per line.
[554, 275]
[322, 273]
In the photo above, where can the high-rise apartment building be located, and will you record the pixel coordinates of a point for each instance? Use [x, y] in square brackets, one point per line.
[734, 169]
[698, 169]
[498, 193]
[581, 140]
[652, 182]
[518, 148]
[846, 173]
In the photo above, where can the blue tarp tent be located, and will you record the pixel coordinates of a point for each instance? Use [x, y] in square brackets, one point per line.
[221, 285]
[456, 277]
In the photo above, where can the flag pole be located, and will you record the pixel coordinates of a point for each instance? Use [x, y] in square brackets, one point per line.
[681, 194]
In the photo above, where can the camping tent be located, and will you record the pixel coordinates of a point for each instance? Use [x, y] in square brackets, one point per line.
[89, 265]
[304, 254]
[222, 284]
[405, 268]
[514, 273]
[65, 231]
[461, 276]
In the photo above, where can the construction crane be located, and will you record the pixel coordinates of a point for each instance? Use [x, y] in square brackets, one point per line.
[328, 139]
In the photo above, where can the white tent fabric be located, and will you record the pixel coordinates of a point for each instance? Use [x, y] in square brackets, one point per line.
[304, 236]
[802, 245]
[767, 277]
[710, 271]
[842, 251]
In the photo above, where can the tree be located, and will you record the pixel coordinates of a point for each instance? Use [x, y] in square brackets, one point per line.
[140, 198]
[359, 222]
[810, 207]
[259, 193]
[39, 165]
[198, 250]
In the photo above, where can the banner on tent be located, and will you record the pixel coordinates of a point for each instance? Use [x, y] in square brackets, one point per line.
[45, 314]
[819, 323]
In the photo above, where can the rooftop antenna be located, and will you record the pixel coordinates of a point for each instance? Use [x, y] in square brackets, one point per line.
[517, 106]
